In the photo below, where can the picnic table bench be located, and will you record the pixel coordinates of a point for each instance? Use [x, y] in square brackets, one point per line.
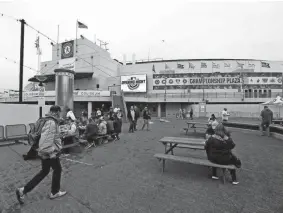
[195, 125]
[190, 143]
[197, 161]
[278, 121]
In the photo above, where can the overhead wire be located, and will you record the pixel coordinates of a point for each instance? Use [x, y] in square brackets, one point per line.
[39, 32]
[11, 60]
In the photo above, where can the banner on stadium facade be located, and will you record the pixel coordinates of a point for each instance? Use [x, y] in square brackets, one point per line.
[81, 93]
[68, 63]
[263, 80]
[133, 83]
[198, 81]
[67, 49]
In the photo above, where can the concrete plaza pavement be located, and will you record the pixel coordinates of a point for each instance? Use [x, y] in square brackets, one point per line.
[123, 177]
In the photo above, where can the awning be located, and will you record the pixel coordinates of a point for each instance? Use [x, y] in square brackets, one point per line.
[51, 77]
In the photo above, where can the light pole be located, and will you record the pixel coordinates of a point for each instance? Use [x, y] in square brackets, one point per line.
[41, 98]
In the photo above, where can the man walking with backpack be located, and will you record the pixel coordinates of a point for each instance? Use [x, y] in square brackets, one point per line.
[49, 147]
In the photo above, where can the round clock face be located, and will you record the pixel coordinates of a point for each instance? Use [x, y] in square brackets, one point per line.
[67, 50]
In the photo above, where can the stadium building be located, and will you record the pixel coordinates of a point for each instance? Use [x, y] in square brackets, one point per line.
[165, 86]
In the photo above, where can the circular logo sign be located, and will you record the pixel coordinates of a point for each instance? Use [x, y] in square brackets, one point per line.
[67, 50]
[133, 83]
[170, 81]
[185, 81]
[157, 81]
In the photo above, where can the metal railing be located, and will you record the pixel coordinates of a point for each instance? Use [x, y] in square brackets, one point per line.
[207, 95]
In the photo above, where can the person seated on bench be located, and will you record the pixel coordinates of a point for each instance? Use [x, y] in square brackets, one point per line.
[83, 123]
[110, 126]
[212, 123]
[91, 131]
[71, 136]
[102, 127]
[218, 150]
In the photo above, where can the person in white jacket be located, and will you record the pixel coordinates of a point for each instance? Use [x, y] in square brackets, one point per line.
[49, 150]
[70, 114]
[225, 115]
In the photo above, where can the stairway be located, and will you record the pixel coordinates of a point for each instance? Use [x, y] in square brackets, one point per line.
[119, 101]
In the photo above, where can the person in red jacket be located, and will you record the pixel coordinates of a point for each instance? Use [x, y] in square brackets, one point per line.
[219, 150]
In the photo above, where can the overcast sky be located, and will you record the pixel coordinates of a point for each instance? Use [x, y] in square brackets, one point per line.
[190, 30]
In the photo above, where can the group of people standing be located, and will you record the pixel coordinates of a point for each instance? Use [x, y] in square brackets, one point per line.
[133, 116]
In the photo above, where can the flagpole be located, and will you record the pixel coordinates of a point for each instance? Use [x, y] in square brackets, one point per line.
[76, 36]
[58, 42]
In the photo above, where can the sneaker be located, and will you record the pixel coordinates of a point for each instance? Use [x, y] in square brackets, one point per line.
[215, 178]
[20, 195]
[58, 194]
[235, 182]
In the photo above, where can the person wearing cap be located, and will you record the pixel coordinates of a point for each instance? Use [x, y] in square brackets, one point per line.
[71, 136]
[48, 150]
[225, 115]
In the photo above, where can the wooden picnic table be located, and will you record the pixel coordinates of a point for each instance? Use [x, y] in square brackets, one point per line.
[195, 125]
[189, 143]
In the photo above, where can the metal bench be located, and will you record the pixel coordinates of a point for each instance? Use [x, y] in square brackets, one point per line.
[196, 161]
[13, 134]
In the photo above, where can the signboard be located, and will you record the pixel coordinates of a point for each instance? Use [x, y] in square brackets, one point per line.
[68, 63]
[263, 80]
[41, 101]
[86, 93]
[92, 93]
[198, 81]
[67, 49]
[41, 91]
[133, 83]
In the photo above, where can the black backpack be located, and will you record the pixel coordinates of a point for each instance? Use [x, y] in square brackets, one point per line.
[35, 132]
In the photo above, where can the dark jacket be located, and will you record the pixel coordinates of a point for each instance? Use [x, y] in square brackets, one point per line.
[218, 150]
[91, 130]
[267, 115]
[110, 126]
[146, 115]
[117, 125]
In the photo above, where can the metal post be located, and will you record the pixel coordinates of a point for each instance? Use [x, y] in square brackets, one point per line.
[202, 87]
[21, 60]
[165, 94]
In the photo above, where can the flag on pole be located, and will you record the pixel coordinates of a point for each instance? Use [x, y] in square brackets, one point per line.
[81, 25]
[166, 66]
[227, 64]
[153, 68]
[191, 66]
[240, 65]
[251, 65]
[264, 64]
[180, 66]
[214, 65]
[203, 65]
